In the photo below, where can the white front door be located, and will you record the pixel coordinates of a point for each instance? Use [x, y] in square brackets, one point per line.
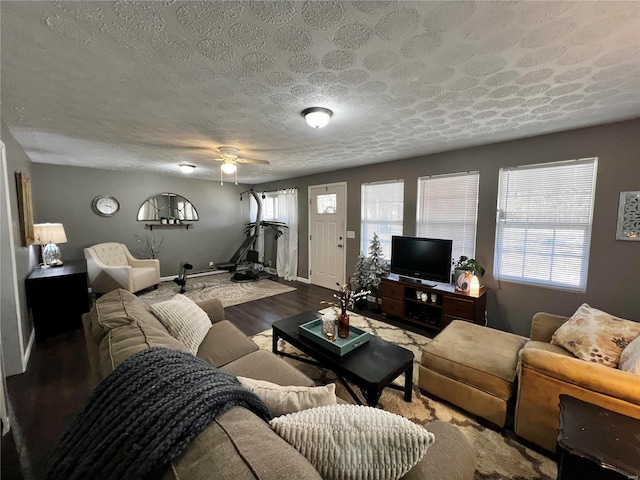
[327, 246]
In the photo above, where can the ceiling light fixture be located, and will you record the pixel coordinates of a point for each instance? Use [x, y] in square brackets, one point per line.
[317, 117]
[228, 167]
[187, 168]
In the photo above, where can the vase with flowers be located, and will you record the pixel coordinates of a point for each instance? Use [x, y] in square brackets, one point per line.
[346, 297]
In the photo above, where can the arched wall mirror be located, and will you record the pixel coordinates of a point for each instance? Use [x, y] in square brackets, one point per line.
[167, 205]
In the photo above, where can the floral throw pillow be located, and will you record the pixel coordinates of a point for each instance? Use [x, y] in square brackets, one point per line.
[596, 336]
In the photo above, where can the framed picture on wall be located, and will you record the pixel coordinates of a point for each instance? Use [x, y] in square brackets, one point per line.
[629, 216]
[25, 208]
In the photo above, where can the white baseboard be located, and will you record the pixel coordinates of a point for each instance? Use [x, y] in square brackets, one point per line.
[303, 280]
[27, 351]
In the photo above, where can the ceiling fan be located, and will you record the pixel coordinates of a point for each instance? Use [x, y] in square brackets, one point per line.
[230, 159]
[229, 156]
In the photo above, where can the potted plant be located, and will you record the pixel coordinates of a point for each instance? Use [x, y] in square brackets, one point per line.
[466, 264]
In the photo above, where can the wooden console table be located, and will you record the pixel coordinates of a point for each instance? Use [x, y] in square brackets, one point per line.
[400, 299]
[57, 297]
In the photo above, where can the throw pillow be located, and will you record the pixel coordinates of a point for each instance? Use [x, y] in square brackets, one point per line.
[346, 442]
[630, 357]
[184, 320]
[282, 400]
[596, 336]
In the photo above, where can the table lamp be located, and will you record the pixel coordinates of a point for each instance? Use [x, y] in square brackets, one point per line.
[474, 287]
[48, 235]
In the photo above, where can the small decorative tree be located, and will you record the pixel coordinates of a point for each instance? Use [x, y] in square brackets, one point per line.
[376, 267]
[359, 280]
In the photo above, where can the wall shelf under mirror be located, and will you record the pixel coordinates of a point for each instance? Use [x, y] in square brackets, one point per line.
[184, 226]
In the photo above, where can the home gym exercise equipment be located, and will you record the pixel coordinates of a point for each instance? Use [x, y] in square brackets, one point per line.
[181, 279]
[244, 264]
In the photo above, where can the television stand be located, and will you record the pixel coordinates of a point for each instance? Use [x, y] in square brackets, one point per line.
[402, 298]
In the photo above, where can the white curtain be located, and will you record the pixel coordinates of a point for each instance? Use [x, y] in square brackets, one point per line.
[287, 260]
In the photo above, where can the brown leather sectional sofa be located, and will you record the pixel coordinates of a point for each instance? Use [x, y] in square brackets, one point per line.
[546, 371]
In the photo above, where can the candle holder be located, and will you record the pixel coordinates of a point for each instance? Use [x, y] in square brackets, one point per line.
[329, 327]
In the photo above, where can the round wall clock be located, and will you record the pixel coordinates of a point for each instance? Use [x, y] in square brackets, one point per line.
[105, 205]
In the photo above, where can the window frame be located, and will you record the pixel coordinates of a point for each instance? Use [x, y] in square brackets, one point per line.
[385, 243]
[555, 226]
[456, 253]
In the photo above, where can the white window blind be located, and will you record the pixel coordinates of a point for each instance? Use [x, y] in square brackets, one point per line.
[382, 212]
[448, 208]
[544, 223]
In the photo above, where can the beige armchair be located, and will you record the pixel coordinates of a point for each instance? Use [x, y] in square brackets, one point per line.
[547, 370]
[111, 266]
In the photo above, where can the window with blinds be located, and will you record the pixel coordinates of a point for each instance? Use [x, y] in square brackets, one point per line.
[448, 208]
[382, 212]
[544, 222]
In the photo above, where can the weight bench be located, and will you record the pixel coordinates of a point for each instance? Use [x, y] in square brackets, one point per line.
[232, 264]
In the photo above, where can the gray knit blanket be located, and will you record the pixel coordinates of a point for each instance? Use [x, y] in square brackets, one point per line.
[144, 414]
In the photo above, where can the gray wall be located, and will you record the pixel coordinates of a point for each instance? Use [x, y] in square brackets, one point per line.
[64, 194]
[613, 265]
[16, 325]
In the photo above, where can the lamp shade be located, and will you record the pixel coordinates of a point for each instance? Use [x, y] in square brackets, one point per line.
[187, 167]
[474, 287]
[45, 233]
[317, 117]
[228, 167]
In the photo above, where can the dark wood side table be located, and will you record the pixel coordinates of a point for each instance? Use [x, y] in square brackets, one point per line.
[57, 297]
[596, 443]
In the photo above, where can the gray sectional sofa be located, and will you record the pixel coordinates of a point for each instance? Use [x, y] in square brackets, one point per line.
[238, 445]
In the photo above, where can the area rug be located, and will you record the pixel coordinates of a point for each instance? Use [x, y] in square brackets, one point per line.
[498, 455]
[219, 286]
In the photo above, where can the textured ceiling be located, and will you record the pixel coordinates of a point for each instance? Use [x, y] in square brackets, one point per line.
[123, 84]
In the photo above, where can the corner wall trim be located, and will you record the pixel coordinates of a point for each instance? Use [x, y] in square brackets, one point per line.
[303, 280]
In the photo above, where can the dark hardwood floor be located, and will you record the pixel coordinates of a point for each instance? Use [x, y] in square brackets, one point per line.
[45, 399]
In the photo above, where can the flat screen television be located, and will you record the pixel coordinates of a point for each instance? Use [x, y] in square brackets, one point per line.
[422, 258]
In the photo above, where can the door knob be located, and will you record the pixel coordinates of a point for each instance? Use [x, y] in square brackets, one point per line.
[340, 245]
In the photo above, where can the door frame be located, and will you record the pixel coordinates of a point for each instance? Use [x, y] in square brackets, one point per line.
[14, 354]
[344, 233]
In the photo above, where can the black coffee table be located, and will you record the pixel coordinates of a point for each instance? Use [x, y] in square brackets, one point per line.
[372, 366]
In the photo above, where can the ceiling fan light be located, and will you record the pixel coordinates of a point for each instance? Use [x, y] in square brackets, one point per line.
[228, 167]
[317, 117]
[187, 167]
